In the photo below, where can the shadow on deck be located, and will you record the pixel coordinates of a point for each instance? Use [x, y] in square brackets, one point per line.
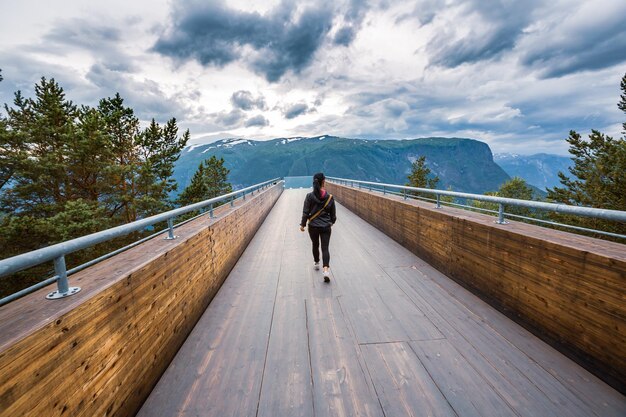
[389, 336]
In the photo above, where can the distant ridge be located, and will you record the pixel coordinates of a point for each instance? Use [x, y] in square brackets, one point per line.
[540, 170]
[464, 164]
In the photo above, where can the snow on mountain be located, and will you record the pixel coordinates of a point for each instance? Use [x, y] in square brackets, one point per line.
[192, 147]
[540, 170]
[501, 156]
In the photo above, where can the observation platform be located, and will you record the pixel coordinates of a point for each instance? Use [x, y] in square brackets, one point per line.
[389, 336]
[230, 319]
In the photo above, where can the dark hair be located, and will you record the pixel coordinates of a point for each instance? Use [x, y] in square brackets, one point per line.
[317, 184]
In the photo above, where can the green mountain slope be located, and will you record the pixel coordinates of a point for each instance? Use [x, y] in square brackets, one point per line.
[465, 164]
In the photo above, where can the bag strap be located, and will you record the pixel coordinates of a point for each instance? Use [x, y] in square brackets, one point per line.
[322, 209]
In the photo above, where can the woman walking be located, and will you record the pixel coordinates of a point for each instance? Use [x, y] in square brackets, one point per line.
[319, 211]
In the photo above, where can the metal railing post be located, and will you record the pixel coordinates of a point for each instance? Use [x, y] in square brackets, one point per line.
[244, 196]
[404, 192]
[211, 211]
[501, 215]
[438, 202]
[384, 190]
[170, 229]
[63, 286]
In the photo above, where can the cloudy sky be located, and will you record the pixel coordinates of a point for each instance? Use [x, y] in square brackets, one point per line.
[515, 74]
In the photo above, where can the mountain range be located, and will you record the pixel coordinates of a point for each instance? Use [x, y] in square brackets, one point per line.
[463, 164]
[540, 170]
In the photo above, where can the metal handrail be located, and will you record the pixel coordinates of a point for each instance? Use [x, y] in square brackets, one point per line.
[615, 215]
[58, 251]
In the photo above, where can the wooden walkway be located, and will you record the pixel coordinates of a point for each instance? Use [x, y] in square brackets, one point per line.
[389, 336]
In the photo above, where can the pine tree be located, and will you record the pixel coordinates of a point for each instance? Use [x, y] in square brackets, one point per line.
[216, 175]
[210, 180]
[160, 148]
[197, 189]
[122, 129]
[143, 160]
[598, 176]
[13, 139]
[90, 157]
[420, 177]
[622, 103]
[6, 148]
[598, 179]
[42, 128]
[67, 171]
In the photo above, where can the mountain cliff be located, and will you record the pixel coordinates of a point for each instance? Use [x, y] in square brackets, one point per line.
[464, 164]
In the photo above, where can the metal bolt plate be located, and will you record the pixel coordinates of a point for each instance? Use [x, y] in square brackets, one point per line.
[55, 295]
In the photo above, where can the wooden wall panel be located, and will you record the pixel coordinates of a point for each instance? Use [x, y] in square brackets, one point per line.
[568, 289]
[101, 351]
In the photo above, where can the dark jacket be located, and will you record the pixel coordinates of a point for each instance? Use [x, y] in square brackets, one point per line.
[312, 205]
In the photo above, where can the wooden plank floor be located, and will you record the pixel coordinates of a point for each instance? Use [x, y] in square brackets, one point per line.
[389, 336]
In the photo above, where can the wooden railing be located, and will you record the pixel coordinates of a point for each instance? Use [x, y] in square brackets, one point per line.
[101, 351]
[568, 289]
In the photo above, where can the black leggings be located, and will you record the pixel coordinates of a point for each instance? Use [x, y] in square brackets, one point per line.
[316, 234]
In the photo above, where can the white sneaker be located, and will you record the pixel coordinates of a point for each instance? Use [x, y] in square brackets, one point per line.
[316, 266]
[327, 275]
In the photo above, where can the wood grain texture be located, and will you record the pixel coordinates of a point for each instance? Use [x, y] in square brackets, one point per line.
[402, 383]
[568, 289]
[463, 387]
[342, 388]
[101, 351]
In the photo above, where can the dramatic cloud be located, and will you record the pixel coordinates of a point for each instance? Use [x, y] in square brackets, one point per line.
[145, 96]
[229, 119]
[106, 69]
[477, 30]
[258, 120]
[424, 11]
[352, 21]
[517, 75]
[82, 33]
[345, 36]
[590, 38]
[295, 110]
[22, 72]
[245, 101]
[214, 34]
[102, 41]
